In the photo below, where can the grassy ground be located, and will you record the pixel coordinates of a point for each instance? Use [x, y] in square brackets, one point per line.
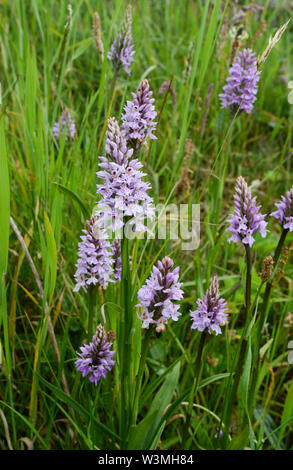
[48, 188]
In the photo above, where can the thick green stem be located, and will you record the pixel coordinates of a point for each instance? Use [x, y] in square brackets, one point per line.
[248, 284]
[92, 295]
[126, 322]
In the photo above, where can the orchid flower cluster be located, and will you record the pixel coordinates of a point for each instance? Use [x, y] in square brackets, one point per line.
[241, 85]
[124, 195]
[247, 219]
[123, 202]
[138, 119]
[210, 314]
[284, 212]
[122, 49]
[94, 265]
[157, 296]
[96, 358]
[123, 190]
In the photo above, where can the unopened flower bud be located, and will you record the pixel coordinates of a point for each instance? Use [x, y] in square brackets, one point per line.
[267, 268]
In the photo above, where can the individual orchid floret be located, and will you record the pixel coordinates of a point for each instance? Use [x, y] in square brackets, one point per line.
[158, 295]
[210, 314]
[94, 265]
[241, 85]
[138, 119]
[284, 214]
[66, 125]
[96, 358]
[247, 219]
[122, 50]
[123, 191]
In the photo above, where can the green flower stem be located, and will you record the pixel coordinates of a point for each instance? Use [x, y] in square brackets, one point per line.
[143, 356]
[197, 373]
[92, 306]
[248, 284]
[126, 322]
[240, 358]
[189, 365]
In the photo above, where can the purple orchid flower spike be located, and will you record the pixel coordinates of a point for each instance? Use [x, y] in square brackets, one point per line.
[94, 265]
[123, 191]
[210, 314]
[138, 120]
[96, 358]
[122, 49]
[247, 219]
[241, 85]
[157, 296]
[284, 212]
